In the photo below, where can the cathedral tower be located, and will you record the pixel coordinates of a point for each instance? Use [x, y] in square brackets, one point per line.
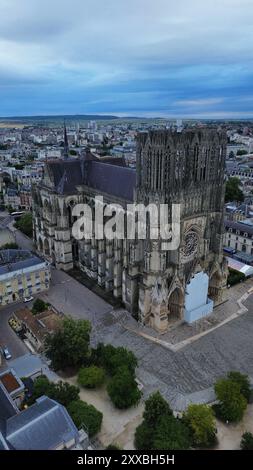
[184, 168]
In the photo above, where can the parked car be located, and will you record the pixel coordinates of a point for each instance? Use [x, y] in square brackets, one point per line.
[7, 353]
[28, 299]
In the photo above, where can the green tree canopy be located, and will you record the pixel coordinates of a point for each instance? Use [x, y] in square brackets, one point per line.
[91, 377]
[25, 224]
[243, 381]
[112, 358]
[62, 392]
[156, 407]
[69, 346]
[241, 152]
[233, 191]
[201, 422]
[232, 403]
[143, 438]
[247, 441]
[123, 389]
[38, 306]
[85, 415]
[171, 434]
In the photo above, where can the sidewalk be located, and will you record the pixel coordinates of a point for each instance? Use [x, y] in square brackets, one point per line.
[181, 335]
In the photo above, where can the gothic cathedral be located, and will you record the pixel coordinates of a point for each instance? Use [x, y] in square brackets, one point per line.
[158, 287]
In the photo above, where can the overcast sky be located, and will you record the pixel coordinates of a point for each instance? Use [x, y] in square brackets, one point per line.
[185, 58]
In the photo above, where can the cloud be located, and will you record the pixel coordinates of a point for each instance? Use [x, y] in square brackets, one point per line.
[199, 102]
[117, 56]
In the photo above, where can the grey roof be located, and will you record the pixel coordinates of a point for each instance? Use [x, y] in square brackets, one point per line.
[43, 426]
[245, 257]
[108, 178]
[112, 179]
[30, 365]
[13, 260]
[66, 174]
[239, 226]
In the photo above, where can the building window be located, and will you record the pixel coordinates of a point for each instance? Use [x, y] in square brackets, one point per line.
[244, 248]
[228, 242]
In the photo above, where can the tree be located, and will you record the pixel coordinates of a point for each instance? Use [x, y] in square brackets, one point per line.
[38, 306]
[9, 246]
[42, 386]
[171, 434]
[233, 191]
[243, 381]
[91, 377]
[241, 152]
[201, 422]
[25, 224]
[62, 392]
[232, 403]
[113, 447]
[85, 415]
[65, 393]
[112, 358]
[143, 438]
[156, 407]
[10, 209]
[123, 389]
[247, 441]
[69, 345]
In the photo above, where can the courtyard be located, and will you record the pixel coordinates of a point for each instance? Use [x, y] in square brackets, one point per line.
[185, 362]
[183, 374]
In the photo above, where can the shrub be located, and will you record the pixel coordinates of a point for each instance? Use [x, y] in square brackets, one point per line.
[123, 389]
[91, 377]
[234, 277]
[38, 306]
[201, 422]
[85, 415]
[247, 441]
[113, 447]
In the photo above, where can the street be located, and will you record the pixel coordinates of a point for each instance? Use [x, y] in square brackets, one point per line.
[7, 336]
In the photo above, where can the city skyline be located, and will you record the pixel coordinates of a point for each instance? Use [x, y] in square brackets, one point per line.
[138, 58]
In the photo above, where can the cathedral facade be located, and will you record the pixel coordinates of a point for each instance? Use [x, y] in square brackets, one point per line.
[157, 286]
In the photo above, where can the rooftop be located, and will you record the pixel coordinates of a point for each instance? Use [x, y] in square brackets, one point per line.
[41, 324]
[9, 381]
[44, 425]
[104, 176]
[14, 260]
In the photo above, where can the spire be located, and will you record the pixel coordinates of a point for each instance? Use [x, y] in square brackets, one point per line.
[66, 144]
